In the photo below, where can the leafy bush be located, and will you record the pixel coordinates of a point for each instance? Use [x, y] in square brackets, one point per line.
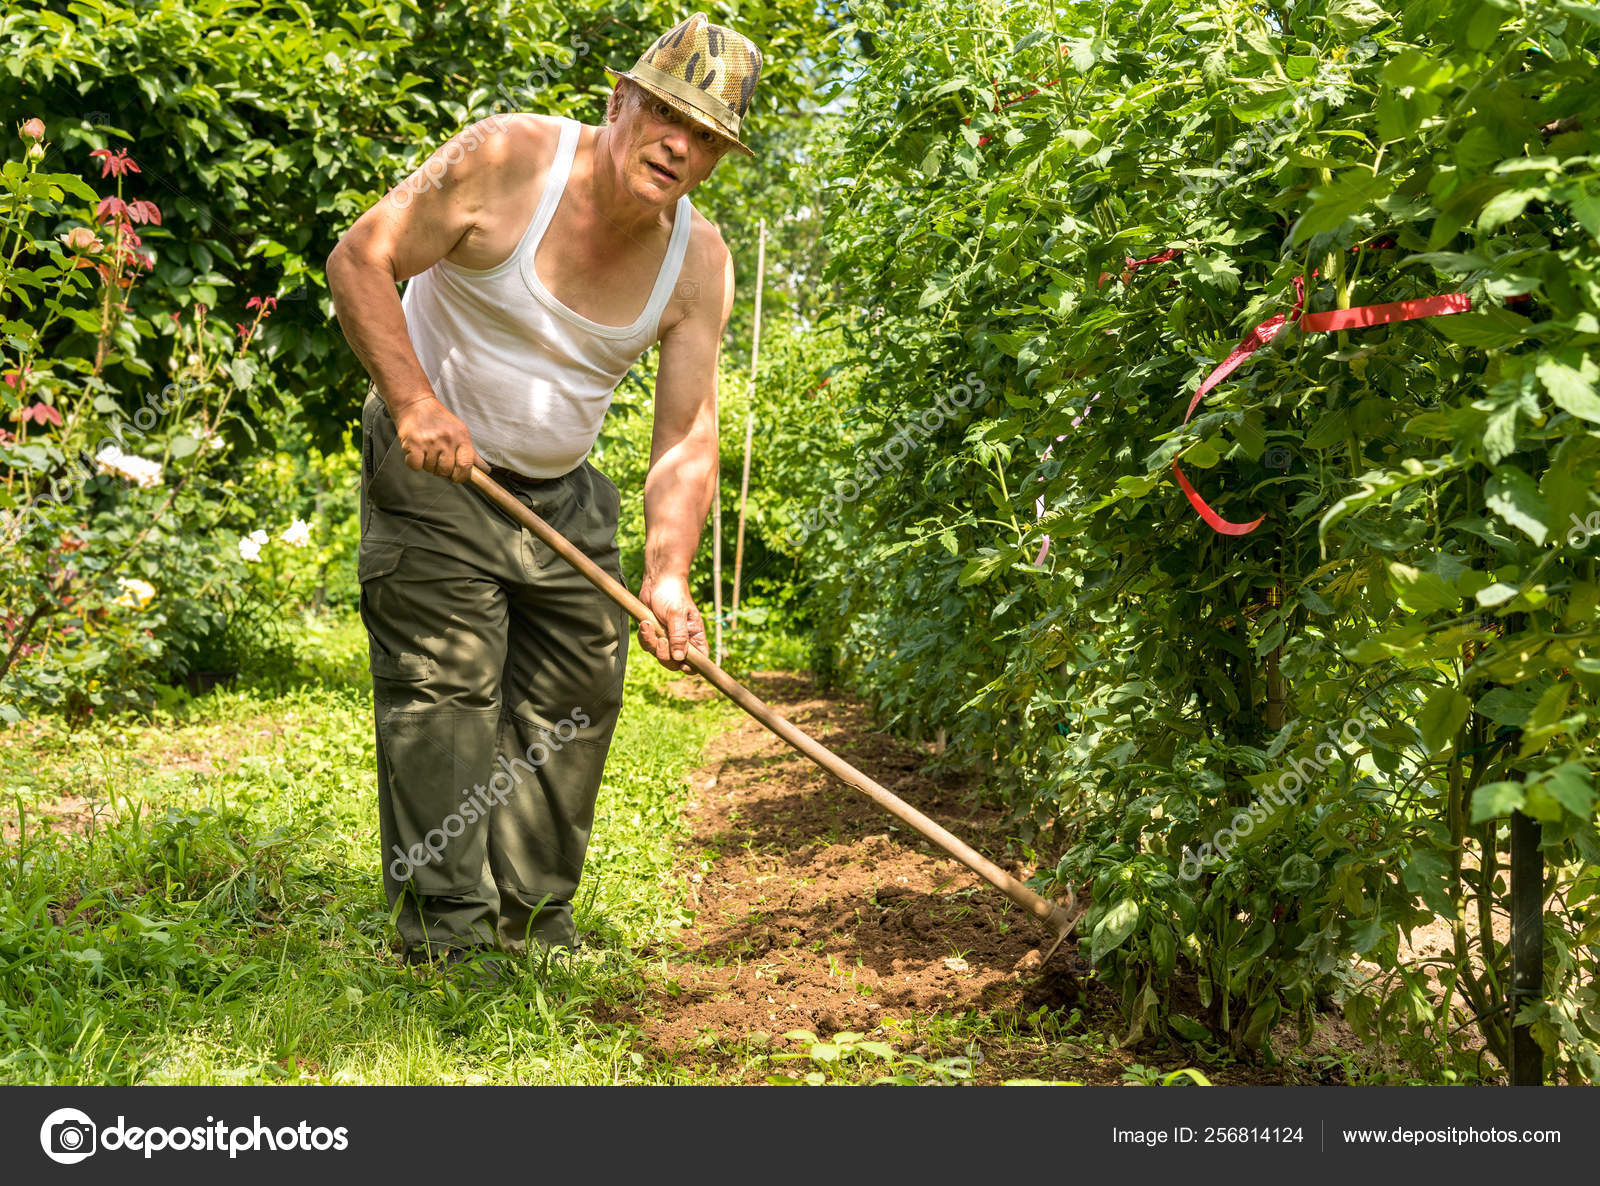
[276, 126]
[1087, 216]
[119, 526]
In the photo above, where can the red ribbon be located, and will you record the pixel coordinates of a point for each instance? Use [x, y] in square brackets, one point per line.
[1160, 258]
[1131, 265]
[1311, 323]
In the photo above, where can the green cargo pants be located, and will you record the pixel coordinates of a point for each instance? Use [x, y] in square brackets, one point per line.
[497, 677]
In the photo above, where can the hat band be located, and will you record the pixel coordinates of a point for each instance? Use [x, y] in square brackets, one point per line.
[701, 100]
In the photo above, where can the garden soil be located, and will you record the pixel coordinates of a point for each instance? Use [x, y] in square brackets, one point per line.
[815, 910]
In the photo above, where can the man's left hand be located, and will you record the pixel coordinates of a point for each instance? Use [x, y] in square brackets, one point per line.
[668, 598]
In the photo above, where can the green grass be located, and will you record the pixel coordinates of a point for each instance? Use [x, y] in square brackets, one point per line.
[226, 923]
[216, 914]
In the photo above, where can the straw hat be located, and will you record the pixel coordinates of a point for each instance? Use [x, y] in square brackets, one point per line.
[706, 71]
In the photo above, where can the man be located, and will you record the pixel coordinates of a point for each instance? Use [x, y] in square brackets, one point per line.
[544, 257]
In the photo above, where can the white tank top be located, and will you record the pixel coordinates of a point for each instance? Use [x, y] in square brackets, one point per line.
[529, 377]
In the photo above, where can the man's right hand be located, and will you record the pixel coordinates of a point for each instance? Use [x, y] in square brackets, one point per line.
[434, 438]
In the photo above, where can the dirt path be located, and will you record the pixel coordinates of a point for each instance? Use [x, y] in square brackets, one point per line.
[816, 911]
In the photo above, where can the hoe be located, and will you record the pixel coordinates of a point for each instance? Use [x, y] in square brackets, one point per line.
[1056, 919]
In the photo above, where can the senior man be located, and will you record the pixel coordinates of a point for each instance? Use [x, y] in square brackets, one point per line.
[543, 258]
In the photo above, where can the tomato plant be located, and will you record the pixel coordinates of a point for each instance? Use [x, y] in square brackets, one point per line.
[1088, 207]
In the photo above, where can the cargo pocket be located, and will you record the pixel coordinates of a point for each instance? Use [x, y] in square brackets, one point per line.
[600, 520]
[388, 656]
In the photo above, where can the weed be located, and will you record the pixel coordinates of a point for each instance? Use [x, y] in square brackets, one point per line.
[835, 1058]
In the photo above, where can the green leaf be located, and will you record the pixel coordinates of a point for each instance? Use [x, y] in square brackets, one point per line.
[1331, 428]
[184, 446]
[1164, 947]
[1216, 271]
[1298, 872]
[72, 184]
[1503, 207]
[1427, 873]
[1508, 707]
[1262, 1019]
[1515, 497]
[1572, 786]
[1500, 434]
[982, 567]
[1420, 591]
[1350, 18]
[1585, 207]
[1188, 1028]
[1489, 329]
[1333, 205]
[1393, 642]
[1441, 718]
[88, 322]
[1111, 931]
[1545, 719]
[937, 289]
[1496, 799]
[1311, 160]
[1496, 594]
[1411, 81]
[1572, 389]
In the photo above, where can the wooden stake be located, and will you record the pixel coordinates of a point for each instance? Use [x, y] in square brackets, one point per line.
[1527, 946]
[749, 424]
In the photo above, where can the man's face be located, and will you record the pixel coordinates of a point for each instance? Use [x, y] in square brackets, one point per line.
[663, 153]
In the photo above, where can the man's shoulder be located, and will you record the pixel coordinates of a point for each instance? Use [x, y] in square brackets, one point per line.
[702, 292]
[707, 255]
[516, 139]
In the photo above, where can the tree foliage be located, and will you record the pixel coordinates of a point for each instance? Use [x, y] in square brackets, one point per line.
[268, 129]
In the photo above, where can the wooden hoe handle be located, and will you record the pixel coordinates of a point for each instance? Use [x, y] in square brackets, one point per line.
[1056, 918]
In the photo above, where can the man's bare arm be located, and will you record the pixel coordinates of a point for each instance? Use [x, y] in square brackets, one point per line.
[416, 224]
[683, 458]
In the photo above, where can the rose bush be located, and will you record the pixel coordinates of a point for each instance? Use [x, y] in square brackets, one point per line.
[116, 500]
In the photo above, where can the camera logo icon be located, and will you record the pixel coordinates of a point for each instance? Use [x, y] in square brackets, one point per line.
[688, 290]
[67, 1136]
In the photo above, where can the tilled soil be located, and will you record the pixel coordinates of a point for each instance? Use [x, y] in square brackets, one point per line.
[817, 911]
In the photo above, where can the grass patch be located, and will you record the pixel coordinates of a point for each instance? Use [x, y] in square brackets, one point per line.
[196, 898]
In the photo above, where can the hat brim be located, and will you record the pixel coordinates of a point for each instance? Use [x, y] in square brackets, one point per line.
[699, 117]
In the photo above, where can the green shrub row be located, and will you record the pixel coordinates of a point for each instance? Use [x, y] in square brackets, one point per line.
[1268, 756]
